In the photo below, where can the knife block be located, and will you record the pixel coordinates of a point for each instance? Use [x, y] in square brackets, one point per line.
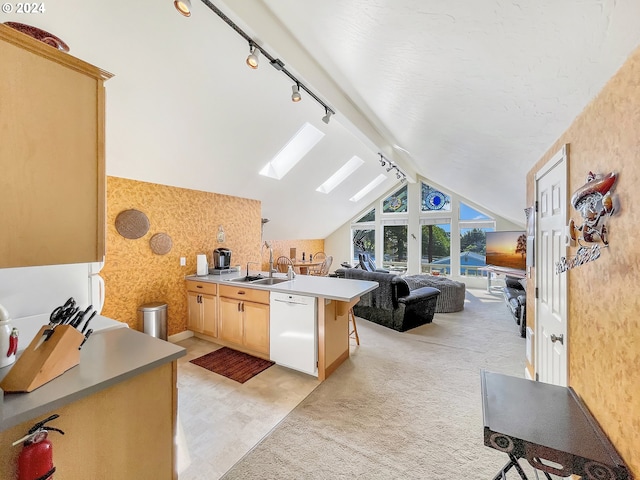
[35, 367]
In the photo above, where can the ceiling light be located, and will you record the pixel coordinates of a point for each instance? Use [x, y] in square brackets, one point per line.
[297, 147]
[183, 6]
[337, 178]
[252, 59]
[295, 96]
[327, 116]
[374, 183]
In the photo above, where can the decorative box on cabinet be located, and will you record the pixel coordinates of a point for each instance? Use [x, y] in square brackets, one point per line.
[202, 302]
[51, 155]
[244, 318]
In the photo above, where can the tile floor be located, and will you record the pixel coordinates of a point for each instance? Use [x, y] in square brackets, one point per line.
[220, 420]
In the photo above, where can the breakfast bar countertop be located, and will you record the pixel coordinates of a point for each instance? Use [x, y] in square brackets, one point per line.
[340, 289]
[108, 358]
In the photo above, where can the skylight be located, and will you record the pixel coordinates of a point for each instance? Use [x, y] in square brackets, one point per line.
[337, 178]
[376, 181]
[297, 147]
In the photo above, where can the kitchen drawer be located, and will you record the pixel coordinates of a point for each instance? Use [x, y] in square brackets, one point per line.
[244, 293]
[202, 287]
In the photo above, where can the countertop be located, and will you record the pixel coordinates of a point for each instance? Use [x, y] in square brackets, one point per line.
[108, 357]
[341, 289]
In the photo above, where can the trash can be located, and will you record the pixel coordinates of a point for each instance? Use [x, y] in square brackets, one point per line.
[153, 318]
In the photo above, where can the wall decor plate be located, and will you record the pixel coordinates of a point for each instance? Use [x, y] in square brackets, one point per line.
[39, 34]
[132, 224]
[160, 244]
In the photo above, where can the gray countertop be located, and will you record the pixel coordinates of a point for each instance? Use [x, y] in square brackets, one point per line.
[107, 358]
[341, 289]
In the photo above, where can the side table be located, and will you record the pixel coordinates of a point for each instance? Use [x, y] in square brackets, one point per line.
[549, 426]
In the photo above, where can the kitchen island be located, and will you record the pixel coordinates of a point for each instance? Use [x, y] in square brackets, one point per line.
[118, 410]
[334, 297]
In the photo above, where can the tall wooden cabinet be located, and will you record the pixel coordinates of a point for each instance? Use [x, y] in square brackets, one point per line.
[52, 186]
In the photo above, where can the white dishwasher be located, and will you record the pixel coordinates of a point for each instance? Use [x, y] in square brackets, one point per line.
[293, 332]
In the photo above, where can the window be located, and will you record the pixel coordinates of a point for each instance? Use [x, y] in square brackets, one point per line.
[295, 149]
[434, 200]
[363, 241]
[396, 203]
[436, 246]
[395, 247]
[473, 240]
[368, 217]
[473, 247]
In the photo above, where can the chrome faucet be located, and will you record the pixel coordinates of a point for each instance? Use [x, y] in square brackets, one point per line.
[271, 269]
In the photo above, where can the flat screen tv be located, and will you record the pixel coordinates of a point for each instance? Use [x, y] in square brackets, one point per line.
[507, 249]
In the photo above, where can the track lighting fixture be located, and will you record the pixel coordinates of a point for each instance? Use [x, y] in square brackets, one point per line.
[295, 96]
[400, 175]
[252, 59]
[327, 115]
[183, 6]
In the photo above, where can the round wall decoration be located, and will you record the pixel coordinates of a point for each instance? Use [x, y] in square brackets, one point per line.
[161, 244]
[132, 224]
[435, 200]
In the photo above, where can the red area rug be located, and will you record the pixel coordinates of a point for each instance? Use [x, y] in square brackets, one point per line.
[232, 364]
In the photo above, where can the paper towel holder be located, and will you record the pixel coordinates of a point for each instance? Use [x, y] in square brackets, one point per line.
[202, 266]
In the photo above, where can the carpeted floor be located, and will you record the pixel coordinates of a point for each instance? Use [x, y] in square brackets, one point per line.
[404, 406]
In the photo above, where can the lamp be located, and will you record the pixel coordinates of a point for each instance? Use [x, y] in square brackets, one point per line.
[327, 116]
[400, 175]
[295, 96]
[183, 6]
[252, 59]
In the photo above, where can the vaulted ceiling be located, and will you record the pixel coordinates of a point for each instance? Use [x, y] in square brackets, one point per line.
[472, 92]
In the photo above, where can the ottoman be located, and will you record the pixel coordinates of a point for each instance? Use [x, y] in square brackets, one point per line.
[451, 298]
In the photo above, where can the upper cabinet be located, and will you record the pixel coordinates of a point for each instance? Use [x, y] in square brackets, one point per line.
[52, 166]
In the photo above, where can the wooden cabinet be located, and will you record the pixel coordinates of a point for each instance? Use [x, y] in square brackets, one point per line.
[52, 187]
[244, 318]
[202, 303]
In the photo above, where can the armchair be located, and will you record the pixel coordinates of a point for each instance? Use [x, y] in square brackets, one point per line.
[392, 304]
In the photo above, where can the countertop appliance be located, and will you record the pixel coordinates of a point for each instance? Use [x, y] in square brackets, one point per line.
[293, 332]
[221, 258]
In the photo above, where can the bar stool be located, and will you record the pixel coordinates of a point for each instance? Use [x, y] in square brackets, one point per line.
[352, 319]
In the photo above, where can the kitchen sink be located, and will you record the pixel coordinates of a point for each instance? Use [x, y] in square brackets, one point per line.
[270, 281]
[247, 279]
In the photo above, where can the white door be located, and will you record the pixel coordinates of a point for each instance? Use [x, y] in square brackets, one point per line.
[551, 302]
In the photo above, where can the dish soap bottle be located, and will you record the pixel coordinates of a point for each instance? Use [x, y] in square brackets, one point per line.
[8, 339]
[290, 273]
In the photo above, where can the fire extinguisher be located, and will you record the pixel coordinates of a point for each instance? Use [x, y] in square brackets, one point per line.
[36, 458]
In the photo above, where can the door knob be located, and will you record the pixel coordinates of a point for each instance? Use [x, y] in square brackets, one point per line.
[557, 338]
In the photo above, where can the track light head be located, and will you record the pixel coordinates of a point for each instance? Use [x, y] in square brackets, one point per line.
[389, 169]
[183, 6]
[327, 115]
[295, 96]
[398, 176]
[252, 59]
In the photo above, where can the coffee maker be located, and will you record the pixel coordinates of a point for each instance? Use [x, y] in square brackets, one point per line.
[222, 259]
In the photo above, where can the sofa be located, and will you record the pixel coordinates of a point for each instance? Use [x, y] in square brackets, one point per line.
[515, 296]
[392, 304]
[452, 293]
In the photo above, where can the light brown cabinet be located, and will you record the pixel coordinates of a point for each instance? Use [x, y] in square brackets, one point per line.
[244, 318]
[52, 187]
[203, 311]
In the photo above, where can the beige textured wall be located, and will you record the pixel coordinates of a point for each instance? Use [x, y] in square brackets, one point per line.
[604, 306]
[134, 275]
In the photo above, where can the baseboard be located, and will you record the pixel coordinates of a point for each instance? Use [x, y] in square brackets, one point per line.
[527, 375]
[178, 337]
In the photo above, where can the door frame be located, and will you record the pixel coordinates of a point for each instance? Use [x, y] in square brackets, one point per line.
[559, 160]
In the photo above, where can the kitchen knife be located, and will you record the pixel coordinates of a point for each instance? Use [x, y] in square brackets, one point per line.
[86, 324]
